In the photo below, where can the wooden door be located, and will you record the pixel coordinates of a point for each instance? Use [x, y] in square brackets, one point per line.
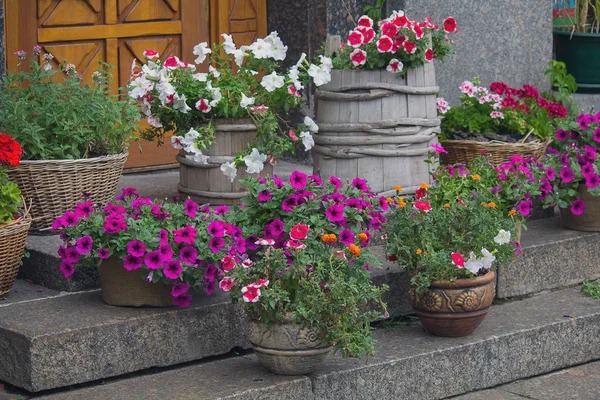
[117, 31]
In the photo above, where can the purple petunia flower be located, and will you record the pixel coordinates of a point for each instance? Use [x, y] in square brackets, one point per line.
[578, 207]
[550, 173]
[165, 251]
[154, 259]
[274, 229]
[354, 203]
[337, 197]
[67, 269]
[562, 135]
[450, 170]
[163, 236]
[587, 170]
[367, 267]
[136, 248]
[278, 181]
[179, 288]
[188, 254]
[335, 213]
[128, 192]
[131, 263]
[360, 184]
[566, 174]
[191, 208]
[298, 179]
[215, 244]
[84, 209]
[383, 204]
[496, 189]
[596, 135]
[251, 242]
[71, 255]
[182, 301]
[210, 272]
[289, 204]
[69, 219]
[336, 182]
[592, 181]
[216, 229]
[316, 179]
[263, 196]
[346, 237]
[172, 269]
[221, 210]
[103, 253]
[524, 208]
[84, 244]
[185, 235]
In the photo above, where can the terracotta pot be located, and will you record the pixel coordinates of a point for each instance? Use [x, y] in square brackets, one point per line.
[589, 221]
[454, 310]
[127, 288]
[286, 348]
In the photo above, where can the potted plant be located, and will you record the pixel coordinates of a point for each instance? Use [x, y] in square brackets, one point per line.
[378, 111]
[148, 252]
[305, 283]
[14, 225]
[74, 136]
[229, 118]
[577, 44]
[574, 167]
[449, 246]
[500, 120]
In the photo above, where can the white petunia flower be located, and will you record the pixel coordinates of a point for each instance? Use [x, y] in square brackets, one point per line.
[319, 75]
[278, 49]
[261, 49]
[179, 103]
[140, 87]
[229, 170]
[326, 63]
[487, 259]
[214, 72]
[198, 157]
[177, 142]
[310, 124]
[473, 264]
[228, 44]
[272, 81]
[301, 60]
[503, 237]
[307, 140]
[246, 101]
[255, 161]
[200, 76]
[238, 56]
[192, 135]
[201, 50]
[154, 121]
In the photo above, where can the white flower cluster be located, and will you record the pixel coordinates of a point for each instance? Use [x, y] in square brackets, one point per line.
[474, 263]
[188, 143]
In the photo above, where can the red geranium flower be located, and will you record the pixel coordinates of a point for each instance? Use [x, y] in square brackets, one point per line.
[10, 150]
[450, 25]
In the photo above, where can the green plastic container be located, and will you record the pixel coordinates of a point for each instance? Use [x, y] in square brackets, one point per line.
[581, 54]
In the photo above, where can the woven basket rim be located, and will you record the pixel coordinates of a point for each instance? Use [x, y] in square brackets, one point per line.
[108, 157]
[476, 143]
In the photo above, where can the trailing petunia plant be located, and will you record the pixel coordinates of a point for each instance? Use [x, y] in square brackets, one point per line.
[177, 244]
[308, 257]
[10, 195]
[396, 43]
[243, 82]
[572, 161]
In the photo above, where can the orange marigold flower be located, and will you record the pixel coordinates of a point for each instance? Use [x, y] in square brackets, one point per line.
[354, 249]
[476, 177]
[512, 213]
[447, 205]
[424, 253]
[398, 188]
[401, 203]
[424, 185]
[389, 200]
[419, 251]
[329, 238]
[491, 204]
[362, 237]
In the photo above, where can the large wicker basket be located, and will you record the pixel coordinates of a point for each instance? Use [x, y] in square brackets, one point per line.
[465, 151]
[12, 247]
[55, 186]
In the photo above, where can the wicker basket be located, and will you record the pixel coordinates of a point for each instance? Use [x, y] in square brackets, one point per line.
[12, 247]
[56, 186]
[465, 151]
[127, 288]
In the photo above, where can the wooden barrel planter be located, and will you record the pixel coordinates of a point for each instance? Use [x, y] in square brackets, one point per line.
[377, 125]
[206, 183]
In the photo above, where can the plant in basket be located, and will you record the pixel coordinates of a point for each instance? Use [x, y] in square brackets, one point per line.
[68, 129]
[14, 225]
[307, 270]
[573, 169]
[241, 83]
[149, 252]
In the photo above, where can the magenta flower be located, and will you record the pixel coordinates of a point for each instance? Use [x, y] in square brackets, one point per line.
[179, 288]
[131, 263]
[210, 272]
[596, 135]
[562, 135]
[138, 203]
[346, 237]
[172, 269]
[67, 269]
[163, 236]
[274, 229]
[128, 192]
[298, 179]
[336, 182]
[524, 208]
[278, 181]
[71, 255]
[587, 170]
[566, 174]
[577, 207]
[159, 213]
[289, 204]
[337, 197]
[215, 244]
[191, 208]
[114, 209]
[462, 171]
[103, 253]
[84, 210]
[185, 235]
[592, 181]
[316, 179]
[183, 301]
[590, 152]
[84, 244]
[58, 224]
[69, 219]
[360, 184]
[335, 213]
[165, 251]
[136, 248]
[354, 203]
[450, 170]
[216, 229]
[114, 224]
[550, 173]
[263, 196]
[439, 149]
[221, 210]
[188, 255]
[154, 259]
[383, 204]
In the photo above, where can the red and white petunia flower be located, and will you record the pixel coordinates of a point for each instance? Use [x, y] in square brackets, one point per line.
[365, 21]
[458, 260]
[389, 29]
[226, 284]
[398, 43]
[261, 283]
[228, 263]
[422, 206]
[272, 159]
[340, 254]
[409, 47]
[247, 263]
[292, 90]
[429, 55]
[429, 23]
[203, 105]
[294, 245]
[250, 293]
[368, 34]
[355, 38]
[450, 25]
[395, 66]
[260, 109]
[385, 44]
[400, 21]
[171, 63]
[150, 54]
[299, 232]
[418, 31]
[265, 242]
[358, 57]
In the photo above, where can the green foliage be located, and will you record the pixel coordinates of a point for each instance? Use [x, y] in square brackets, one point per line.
[53, 115]
[591, 288]
[564, 84]
[374, 11]
[10, 198]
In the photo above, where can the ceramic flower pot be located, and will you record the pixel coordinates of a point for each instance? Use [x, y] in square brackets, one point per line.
[581, 54]
[454, 310]
[286, 348]
[127, 288]
[589, 220]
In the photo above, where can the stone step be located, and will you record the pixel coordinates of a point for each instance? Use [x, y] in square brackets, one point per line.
[519, 339]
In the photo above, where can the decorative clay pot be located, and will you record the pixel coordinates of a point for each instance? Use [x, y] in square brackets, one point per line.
[286, 348]
[454, 310]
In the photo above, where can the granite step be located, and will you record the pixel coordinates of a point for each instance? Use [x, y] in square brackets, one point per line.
[519, 339]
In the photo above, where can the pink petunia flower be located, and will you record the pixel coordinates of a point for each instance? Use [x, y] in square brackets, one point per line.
[67, 269]
[179, 289]
[131, 263]
[188, 255]
[298, 180]
[191, 208]
[216, 229]
[335, 212]
[226, 284]
[228, 263]
[346, 237]
[103, 253]
[215, 244]
[439, 148]
[154, 259]
[578, 207]
[84, 244]
[185, 235]
[173, 269]
[136, 248]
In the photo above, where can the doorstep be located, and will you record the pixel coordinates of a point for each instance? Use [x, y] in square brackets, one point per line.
[519, 339]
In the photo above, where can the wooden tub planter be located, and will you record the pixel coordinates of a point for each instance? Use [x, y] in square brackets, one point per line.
[377, 125]
[206, 183]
